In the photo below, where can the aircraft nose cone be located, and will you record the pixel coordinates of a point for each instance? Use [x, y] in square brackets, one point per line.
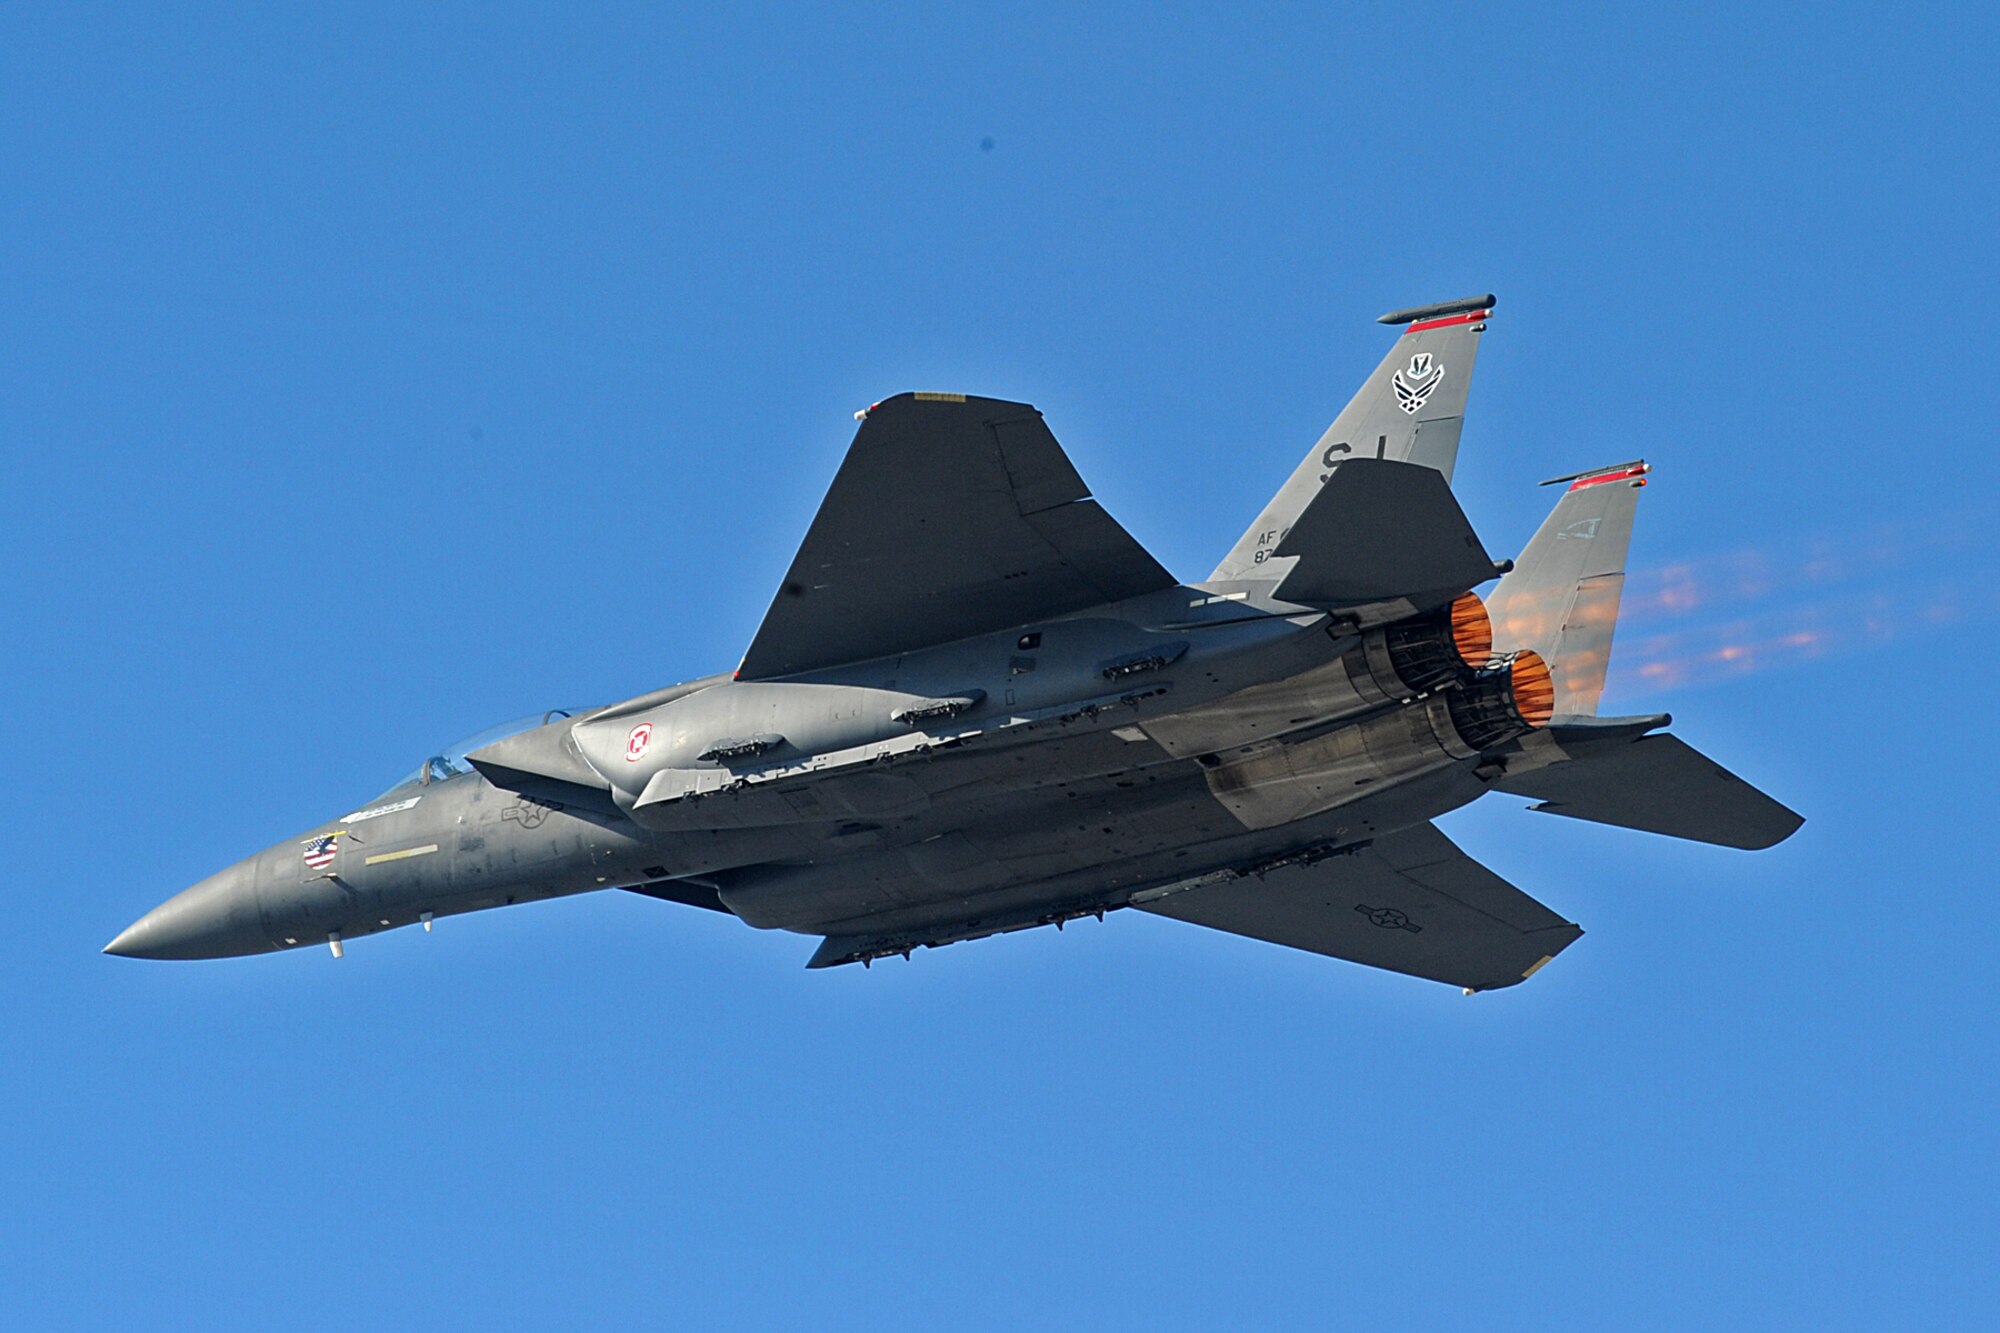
[217, 918]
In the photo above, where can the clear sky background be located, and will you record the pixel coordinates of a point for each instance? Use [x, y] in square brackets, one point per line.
[370, 377]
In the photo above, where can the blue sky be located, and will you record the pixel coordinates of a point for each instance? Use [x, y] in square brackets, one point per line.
[373, 376]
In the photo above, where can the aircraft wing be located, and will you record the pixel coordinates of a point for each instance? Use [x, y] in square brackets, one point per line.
[1410, 902]
[951, 516]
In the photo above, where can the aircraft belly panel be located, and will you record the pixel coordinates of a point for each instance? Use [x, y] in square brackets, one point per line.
[1092, 840]
[1280, 783]
[1265, 711]
[987, 837]
[1105, 885]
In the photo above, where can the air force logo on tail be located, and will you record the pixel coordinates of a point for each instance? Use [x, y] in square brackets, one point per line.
[1415, 382]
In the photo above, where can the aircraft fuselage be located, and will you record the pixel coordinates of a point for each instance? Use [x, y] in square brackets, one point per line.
[1061, 768]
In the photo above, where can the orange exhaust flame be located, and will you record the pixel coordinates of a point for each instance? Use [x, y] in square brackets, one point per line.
[1534, 692]
[1471, 631]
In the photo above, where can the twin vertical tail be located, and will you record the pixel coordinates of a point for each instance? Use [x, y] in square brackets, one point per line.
[1561, 598]
[1376, 536]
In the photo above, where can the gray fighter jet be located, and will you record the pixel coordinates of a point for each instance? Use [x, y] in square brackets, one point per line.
[977, 705]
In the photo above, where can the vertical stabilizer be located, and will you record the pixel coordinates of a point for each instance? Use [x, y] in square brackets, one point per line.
[1410, 411]
[1561, 599]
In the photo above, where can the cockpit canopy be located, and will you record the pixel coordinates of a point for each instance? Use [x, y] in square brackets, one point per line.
[451, 761]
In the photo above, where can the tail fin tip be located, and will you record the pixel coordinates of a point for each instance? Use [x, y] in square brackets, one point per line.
[1417, 314]
[1634, 470]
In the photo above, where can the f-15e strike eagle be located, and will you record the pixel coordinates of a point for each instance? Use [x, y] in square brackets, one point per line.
[976, 705]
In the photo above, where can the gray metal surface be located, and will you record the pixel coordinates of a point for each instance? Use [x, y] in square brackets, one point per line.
[1658, 784]
[951, 517]
[1381, 531]
[1411, 410]
[1411, 902]
[1561, 598]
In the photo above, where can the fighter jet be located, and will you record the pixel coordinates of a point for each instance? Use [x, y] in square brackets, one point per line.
[978, 705]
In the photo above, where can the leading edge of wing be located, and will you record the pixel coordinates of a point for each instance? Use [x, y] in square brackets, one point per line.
[951, 516]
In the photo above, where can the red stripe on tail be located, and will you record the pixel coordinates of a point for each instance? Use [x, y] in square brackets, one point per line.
[1446, 323]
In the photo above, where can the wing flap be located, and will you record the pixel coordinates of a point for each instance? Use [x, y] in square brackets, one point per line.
[1100, 553]
[949, 517]
[1412, 902]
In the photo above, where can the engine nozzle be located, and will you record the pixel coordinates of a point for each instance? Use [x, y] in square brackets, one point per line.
[1428, 651]
[1512, 698]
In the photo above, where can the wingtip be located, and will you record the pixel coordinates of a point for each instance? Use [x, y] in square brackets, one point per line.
[1798, 821]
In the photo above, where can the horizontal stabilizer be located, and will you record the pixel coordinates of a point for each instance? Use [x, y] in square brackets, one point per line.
[1378, 530]
[1658, 784]
[1411, 902]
